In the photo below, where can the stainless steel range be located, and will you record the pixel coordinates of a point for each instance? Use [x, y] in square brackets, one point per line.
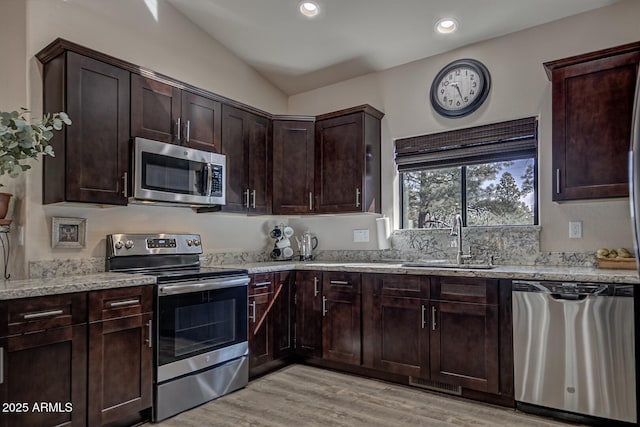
[200, 319]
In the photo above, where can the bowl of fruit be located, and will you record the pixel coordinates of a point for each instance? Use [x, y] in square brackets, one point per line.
[620, 258]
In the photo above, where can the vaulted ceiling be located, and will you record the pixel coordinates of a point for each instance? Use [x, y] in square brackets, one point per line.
[350, 38]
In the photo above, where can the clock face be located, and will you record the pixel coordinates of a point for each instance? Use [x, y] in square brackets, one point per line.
[460, 88]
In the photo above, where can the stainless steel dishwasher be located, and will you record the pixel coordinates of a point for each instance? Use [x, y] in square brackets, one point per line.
[574, 349]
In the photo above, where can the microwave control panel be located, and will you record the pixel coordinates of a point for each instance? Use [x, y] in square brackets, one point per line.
[217, 181]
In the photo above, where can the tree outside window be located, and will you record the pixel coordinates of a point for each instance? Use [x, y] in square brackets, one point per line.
[495, 193]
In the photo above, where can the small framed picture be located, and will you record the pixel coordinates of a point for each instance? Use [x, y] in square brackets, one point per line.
[68, 232]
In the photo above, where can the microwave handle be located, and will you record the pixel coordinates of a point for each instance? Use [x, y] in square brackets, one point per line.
[209, 177]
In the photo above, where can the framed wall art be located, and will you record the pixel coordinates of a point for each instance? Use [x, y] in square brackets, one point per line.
[68, 232]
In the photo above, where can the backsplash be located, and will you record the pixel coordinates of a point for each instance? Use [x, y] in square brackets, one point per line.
[508, 246]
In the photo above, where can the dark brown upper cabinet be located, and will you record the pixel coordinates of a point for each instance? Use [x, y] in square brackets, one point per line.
[92, 155]
[347, 161]
[164, 112]
[324, 164]
[246, 141]
[293, 166]
[592, 110]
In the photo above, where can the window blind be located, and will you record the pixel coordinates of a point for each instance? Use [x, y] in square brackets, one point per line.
[508, 140]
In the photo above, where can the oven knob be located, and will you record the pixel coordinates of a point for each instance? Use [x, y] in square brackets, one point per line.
[119, 244]
[196, 242]
[189, 242]
[128, 244]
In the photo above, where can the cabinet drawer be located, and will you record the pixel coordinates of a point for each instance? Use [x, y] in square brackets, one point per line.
[262, 283]
[480, 291]
[120, 302]
[339, 281]
[42, 313]
[397, 285]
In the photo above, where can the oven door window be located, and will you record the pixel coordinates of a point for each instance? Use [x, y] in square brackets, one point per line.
[173, 175]
[200, 322]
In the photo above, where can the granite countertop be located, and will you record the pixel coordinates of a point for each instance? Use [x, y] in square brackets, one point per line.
[12, 289]
[577, 274]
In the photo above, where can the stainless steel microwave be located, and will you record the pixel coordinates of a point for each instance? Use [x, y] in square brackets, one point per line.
[174, 174]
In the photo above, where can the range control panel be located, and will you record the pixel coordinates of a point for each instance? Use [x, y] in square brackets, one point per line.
[152, 244]
[161, 243]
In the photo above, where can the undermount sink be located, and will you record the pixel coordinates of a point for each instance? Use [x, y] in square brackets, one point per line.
[446, 264]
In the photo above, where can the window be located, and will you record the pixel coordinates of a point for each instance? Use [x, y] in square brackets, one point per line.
[487, 174]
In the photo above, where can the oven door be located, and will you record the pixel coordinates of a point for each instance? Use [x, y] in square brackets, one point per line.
[200, 324]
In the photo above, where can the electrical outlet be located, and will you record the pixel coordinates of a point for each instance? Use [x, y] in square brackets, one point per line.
[575, 229]
[361, 235]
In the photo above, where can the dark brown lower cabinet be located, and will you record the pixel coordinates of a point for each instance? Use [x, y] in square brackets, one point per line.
[284, 315]
[120, 368]
[120, 362]
[270, 320]
[44, 378]
[341, 323]
[260, 330]
[464, 345]
[43, 361]
[395, 323]
[441, 329]
[308, 316]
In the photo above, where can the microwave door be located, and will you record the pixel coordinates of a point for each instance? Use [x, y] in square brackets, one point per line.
[168, 173]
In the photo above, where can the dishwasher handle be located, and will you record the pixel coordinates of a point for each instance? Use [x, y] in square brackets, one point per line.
[568, 297]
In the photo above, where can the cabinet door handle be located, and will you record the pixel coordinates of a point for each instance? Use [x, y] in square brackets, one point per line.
[1, 365]
[188, 131]
[316, 291]
[339, 282]
[558, 181]
[261, 284]
[310, 201]
[253, 199]
[424, 317]
[150, 332]
[246, 198]
[178, 129]
[357, 197]
[125, 185]
[324, 305]
[433, 317]
[117, 304]
[32, 316]
[253, 312]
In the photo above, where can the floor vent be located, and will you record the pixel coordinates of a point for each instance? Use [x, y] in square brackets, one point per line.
[435, 386]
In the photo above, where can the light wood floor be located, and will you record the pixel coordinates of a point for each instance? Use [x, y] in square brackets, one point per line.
[301, 395]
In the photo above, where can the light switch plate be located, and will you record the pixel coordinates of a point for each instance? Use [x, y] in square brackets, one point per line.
[360, 236]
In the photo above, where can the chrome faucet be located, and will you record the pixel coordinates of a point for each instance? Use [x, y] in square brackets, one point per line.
[456, 230]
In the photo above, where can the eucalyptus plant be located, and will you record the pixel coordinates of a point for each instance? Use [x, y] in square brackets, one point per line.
[21, 140]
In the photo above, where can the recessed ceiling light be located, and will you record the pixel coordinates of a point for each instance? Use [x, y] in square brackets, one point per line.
[309, 9]
[446, 26]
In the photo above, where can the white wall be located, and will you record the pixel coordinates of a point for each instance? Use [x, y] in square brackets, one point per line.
[126, 29]
[520, 88]
[13, 95]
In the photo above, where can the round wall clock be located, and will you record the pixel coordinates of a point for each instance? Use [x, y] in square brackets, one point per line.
[460, 88]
